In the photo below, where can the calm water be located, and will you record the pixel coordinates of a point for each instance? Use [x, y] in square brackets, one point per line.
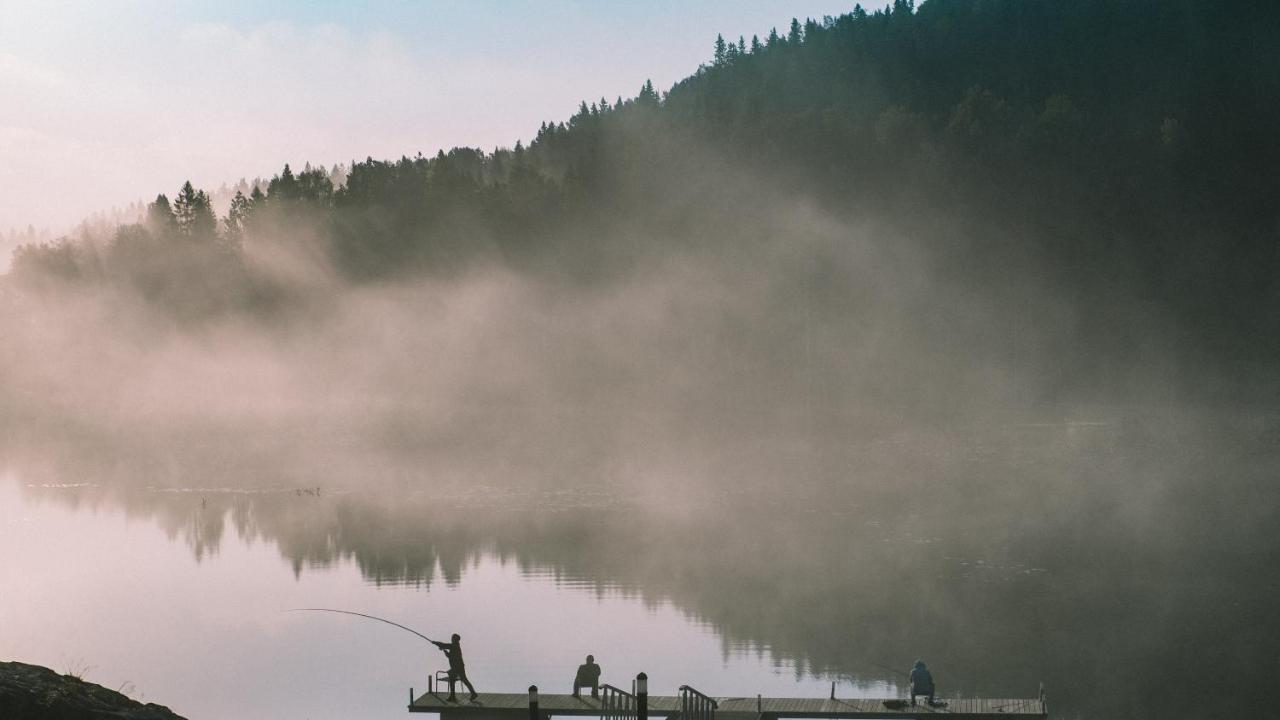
[1132, 569]
[179, 613]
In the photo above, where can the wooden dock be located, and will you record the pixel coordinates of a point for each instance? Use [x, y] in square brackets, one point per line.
[515, 706]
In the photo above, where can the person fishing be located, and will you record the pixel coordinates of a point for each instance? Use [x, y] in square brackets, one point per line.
[921, 682]
[588, 677]
[457, 667]
[451, 650]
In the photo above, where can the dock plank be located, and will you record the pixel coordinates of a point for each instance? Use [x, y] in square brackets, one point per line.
[515, 706]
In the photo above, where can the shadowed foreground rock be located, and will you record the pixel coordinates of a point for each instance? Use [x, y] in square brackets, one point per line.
[31, 692]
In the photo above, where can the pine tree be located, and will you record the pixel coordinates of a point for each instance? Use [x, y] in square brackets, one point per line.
[795, 35]
[237, 220]
[648, 96]
[720, 54]
[204, 224]
[283, 186]
[584, 113]
[498, 165]
[184, 210]
[193, 214]
[160, 215]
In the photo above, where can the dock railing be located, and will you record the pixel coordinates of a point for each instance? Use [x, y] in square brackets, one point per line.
[696, 706]
[616, 703]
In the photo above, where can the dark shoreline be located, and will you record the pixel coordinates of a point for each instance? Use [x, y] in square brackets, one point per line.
[32, 692]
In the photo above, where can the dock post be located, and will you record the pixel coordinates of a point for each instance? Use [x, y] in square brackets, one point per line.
[430, 691]
[642, 697]
[533, 702]
[833, 689]
[410, 696]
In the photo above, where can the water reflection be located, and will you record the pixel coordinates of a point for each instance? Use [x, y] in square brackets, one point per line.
[1092, 557]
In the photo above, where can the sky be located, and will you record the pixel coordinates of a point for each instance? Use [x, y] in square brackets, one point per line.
[105, 103]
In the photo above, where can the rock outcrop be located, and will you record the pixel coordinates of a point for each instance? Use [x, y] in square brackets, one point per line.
[31, 692]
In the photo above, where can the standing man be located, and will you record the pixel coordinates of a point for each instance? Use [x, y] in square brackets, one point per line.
[588, 677]
[457, 667]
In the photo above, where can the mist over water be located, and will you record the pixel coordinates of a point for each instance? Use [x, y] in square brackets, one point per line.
[803, 438]
[804, 443]
[791, 466]
[1015, 555]
[760, 350]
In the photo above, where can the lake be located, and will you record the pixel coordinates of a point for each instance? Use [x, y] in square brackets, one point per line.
[1130, 565]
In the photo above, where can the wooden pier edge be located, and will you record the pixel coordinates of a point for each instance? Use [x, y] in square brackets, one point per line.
[516, 706]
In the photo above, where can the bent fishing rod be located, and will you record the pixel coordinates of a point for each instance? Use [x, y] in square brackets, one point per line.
[371, 617]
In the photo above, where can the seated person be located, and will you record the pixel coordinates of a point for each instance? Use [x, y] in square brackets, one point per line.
[588, 676]
[921, 682]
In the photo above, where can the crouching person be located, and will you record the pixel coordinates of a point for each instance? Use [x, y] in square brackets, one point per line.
[921, 682]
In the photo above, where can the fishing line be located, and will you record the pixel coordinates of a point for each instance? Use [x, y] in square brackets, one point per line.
[892, 670]
[371, 617]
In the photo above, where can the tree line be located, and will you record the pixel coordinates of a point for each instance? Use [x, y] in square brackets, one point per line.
[1118, 144]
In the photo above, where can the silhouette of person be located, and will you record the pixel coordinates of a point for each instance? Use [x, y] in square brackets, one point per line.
[921, 682]
[588, 676]
[457, 667]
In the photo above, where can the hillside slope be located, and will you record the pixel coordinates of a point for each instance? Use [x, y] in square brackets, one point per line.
[1110, 166]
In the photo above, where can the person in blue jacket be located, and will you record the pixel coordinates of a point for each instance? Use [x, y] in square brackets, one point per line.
[921, 682]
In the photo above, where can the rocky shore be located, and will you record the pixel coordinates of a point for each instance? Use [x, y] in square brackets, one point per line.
[31, 692]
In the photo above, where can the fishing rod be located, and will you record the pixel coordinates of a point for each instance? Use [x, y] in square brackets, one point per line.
[371, 617]
[892, 670]
[874, 664]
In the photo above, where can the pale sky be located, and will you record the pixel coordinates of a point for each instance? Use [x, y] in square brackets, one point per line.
[104, 102]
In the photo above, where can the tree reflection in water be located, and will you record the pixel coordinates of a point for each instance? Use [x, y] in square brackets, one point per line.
[1094, 558]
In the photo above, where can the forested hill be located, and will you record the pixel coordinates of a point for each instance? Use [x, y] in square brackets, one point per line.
[1124, 150]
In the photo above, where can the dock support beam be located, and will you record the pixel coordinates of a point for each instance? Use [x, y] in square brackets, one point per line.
[642, 697]
[533, 702]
